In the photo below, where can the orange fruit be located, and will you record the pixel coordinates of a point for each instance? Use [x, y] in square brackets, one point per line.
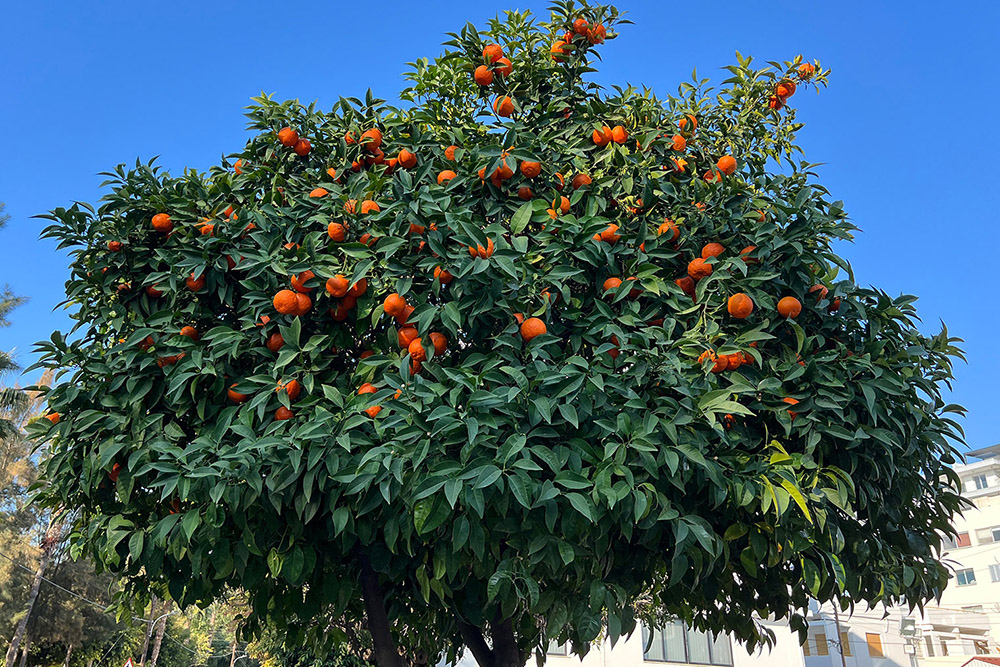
[558, 50]
[336, 231]
[394, 304]
[299, 282]
[449, 153]
[358, 288]
[319, 192]
[190, 332]
[337, 286]
[688, 119]
[727, 165]
[283, 413]
[530, 169]
[601, 137]
[610, 235]
[504, 67]
[679, 143]
[372, 139]
[405, 336]
[740, 305]
[442, 275]
[669, 227]
[532, 327]
[619, 134]
[302, 147]
[503, 106]
[789, 306]
[53, 417]
[238, 167]
[292, 388]
[744, 255]
[369, 206]
[439, 342]
[581, 27]
[791, 401]
[687, 285]
[597, 34]
[405, 316]
[635, 291]
[483, 75]
[492, 53]
[785, 89]
[562, 181]
[822, 292]
[416, 350]
[712, 250]
[445, 176]
[806, 70]
[162, 223]
[612, 283]
[775, 102]
[114, 246]
[153, 292]
[235, 396]
[302, 304]
[407, 160]
[285, 302]
[195, 284]
[698, 269]
[719, 364]
[340, 312]
[332, 173]
[579, 181]
[524, 192]
[275, 342]
[288, 137]
[562, 203]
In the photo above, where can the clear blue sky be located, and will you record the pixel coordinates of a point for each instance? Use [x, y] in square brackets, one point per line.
[907, 131]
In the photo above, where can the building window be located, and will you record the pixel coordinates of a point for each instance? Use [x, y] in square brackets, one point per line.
[996, 534]
[805, 647]
[822, 648]
[979, 481]
[966, 577]
[845, 644]
[963, 540]
[982, 646]
[556, 648]
[678, 643]
[944, 645]
[995, 572]
[874, 641]
[929, 641]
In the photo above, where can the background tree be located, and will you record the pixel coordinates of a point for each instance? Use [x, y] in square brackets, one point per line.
[12, 399]
[487, 370]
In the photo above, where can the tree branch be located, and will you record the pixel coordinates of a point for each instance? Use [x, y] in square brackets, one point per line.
[386, 653]
[474, 639]
[505, 644]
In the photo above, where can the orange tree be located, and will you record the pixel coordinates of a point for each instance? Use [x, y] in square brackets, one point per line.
[486, 370]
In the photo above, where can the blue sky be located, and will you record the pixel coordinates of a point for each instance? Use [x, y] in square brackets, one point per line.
[907, 131]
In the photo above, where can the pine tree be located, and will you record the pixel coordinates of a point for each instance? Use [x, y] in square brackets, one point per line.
[12, 399]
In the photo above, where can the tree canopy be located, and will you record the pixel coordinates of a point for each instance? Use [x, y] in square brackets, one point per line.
[514, 362]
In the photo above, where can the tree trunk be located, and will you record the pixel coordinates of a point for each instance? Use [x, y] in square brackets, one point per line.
[232, 658]
[386, 652]
[69, 652]
[160, 629]
[90, 662]
[211, 630]
[505, 651]
[24, 650]
[149, 631]
[477, 645]
[48, 546]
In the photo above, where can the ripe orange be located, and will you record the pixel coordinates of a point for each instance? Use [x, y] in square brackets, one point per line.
[275, 342]
[332, 173]
[114, 246]
[416, 350]
[336, 231]
[740, 305]
[283, 413]
[785, 89]
[719, 364]
[153, 292]
[235, 396]
[369, 206]
[394, 304]
[806, 70]
[727, 165]
[238, 167]
[579, 181]
[612, 283]
[299, 282]
[559, 49]
[789, 306]
[601, 137]
[524, 192]
[562, 182]
[619, 134]
[337, 286]
[822, 292]
[504, 67]
[791, 401]
[372, 139]
[561, 203]
[53, 417]
[610, 234]
[686, 120]
[669, 227]
[190, 332]
[405, 316]
[302, 147]
[679, 142]
[597, 34]
[581, 27]
[492, 53]
[712, 250]
[503, 106]
[292, 388]
[532, 327]
[698, 269]
[285, 302]
[288, 137]
[443, 275]
[405, 336]
[635, 291]
[407, 160]
[687, 285]
[195, 284]
[744, 255]
[483, 75]
[449, 153]
[319, 192]
[530, 169]
[445, 176]
[302, 304]
[357, 289]
[439, 342]
[162, 223]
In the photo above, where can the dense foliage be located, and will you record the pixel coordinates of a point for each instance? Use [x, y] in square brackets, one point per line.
[701, 408]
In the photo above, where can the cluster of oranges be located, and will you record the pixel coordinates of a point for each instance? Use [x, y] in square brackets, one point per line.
[289, 138]
[495, 65]
[581, 31]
